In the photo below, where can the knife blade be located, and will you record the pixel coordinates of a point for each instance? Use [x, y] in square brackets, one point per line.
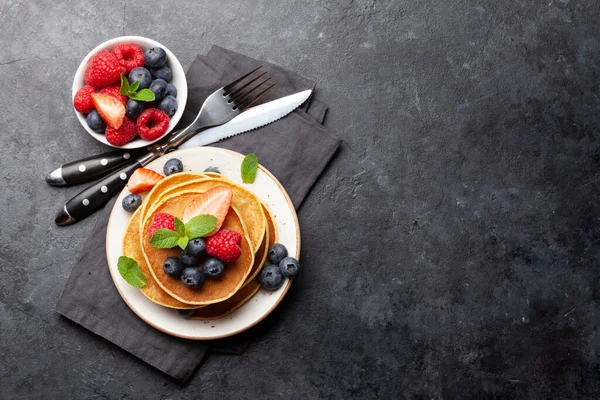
[94, 167]
[97, 195]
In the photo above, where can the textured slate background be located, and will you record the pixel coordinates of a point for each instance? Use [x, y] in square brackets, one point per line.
[451, 250]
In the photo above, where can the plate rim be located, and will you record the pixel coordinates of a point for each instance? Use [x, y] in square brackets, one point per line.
[282, 294]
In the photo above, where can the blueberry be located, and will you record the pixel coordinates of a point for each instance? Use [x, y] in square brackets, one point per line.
[213, 268]
[171, 90]
[141, 75]
[195, 247]
[131, 202]
[188, 258]
[212, 169]
[173, 266]
[163, 73]
[168, 105]
[173, 166]
[289, 266]
[94, 121]
[133, 109]
[159, 88]
[192, 277]
[155, 57]
[277, 252]
[270, 277]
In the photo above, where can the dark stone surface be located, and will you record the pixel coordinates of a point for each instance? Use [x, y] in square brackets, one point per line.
[450, 250]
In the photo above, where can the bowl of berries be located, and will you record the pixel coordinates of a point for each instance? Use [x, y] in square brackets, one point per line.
[129, 92]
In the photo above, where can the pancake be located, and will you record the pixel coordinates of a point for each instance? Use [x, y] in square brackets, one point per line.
[246, 203]
[261, 256]
[214, 175]
[212, 291]
[132, 249]
[219, 310]
[165, 184]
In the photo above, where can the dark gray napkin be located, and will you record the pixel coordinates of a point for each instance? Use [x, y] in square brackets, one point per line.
[90, 298]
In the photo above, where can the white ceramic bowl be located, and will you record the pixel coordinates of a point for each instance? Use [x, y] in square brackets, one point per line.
[178, 80]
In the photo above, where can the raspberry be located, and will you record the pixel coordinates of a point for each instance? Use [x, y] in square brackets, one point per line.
[114, 91]
[83, 99]
[125, 134]
[129, 55]
[224, 245]
[152, 123]
[161, 221]
[103, 70]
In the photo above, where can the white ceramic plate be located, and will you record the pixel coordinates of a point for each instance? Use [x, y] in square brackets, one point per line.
[178, 80]
[265, 187]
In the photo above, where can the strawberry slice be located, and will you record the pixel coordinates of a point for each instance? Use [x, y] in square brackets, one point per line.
[215, 201]
[143, 180]
[110, 109]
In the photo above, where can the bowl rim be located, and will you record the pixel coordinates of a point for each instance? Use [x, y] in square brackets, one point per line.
[176, 68]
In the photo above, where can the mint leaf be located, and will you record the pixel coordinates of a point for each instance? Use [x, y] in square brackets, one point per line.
[143, 95]
[182, 242]
[124, 85]
[179, 227]
[130, 271]
[249, 168]
[200, 225]
[164, 239]
[134, 86]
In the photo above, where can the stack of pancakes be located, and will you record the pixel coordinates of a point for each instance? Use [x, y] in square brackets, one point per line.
[217, 297]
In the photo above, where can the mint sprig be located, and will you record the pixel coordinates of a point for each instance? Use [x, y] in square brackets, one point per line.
[133, 91]
[200, 225]
[130, 271]
[249, 168]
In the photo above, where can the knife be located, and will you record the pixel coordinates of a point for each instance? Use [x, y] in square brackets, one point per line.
[97, 166]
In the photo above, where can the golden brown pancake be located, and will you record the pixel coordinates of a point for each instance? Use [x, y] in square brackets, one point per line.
[219, 310]
[214, 175]
[269, 240]
[131, 248]
[245, 202]
[212, 291]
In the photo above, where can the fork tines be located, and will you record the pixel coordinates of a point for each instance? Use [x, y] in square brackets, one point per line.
[243, 98]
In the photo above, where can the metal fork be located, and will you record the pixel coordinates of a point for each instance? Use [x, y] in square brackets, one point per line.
[219, 108]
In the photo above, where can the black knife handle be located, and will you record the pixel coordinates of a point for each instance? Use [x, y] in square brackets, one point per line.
[96, 196]
[94, 167]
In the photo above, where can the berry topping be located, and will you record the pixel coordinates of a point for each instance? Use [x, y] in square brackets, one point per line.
[129, 55]
[173, 166]
[155, 57]
[161, 221]
[110, 109]
[103, 70]
[277, 252]
[215, 201]
[224, 245]
[289, 266]
[152, 123]
[270, 277]
[213, 170]
[83, 99]
[114, 91]
[192, 277]
[142, 180]
[131, 202]
[173, 266]
[213, 268]
[125, 134]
